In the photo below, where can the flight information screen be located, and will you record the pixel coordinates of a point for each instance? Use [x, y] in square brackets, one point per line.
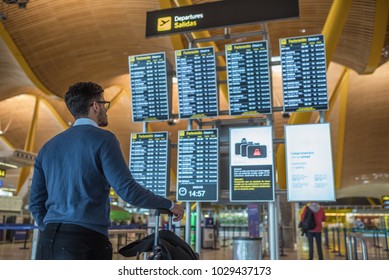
[197, 163]
[304, 78]
[149, 160]
[149, 87]
[248, 78]
[197, 83]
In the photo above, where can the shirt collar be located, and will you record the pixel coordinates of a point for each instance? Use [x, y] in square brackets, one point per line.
[84, 121]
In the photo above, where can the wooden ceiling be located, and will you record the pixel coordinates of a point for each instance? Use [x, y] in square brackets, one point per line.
[52, 44]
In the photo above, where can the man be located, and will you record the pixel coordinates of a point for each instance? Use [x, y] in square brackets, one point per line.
[315, 233]
[73, 173]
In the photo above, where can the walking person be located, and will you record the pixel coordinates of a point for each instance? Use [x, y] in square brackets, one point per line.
[73, 174]
[315, 233]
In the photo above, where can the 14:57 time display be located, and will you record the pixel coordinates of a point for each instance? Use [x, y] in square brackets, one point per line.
[196, 193]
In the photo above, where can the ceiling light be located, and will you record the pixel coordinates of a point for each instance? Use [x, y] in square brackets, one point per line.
[8, 165]
[172, 121]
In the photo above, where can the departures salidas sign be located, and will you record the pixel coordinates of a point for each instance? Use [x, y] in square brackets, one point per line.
[217, 14]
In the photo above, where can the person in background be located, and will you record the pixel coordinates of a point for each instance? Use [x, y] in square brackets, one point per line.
[73, 174]
[217, 227]
[315, 233]
[140, 221]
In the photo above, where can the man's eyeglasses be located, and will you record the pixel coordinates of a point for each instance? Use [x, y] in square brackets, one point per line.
[106, 104]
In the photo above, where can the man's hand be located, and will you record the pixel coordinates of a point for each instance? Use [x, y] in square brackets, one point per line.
[178, 212]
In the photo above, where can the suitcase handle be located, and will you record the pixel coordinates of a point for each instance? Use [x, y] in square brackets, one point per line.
[158, 212]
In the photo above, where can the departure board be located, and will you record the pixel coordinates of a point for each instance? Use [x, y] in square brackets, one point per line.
[150, 87]
[197, 83]
[304, 78]
[248, 78]
[197, 165]
[149, 160]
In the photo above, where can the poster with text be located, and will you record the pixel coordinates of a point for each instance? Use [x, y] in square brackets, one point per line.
[251, 164]
[309, 163]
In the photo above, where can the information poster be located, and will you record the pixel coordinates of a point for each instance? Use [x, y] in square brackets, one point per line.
[253, 217]
[197, 83]
[304, 78]
[309, 163]
[149, 160]
[149, 87]
[251, 164]
[248, 78]
[197, 176]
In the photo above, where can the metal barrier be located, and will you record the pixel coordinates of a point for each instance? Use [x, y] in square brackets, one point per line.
[352, 246]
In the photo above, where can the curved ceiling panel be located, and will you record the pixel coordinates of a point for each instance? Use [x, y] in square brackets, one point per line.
[68, 41]
[64, 42]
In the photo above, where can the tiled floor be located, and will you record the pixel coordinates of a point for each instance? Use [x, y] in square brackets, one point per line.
[17, 251]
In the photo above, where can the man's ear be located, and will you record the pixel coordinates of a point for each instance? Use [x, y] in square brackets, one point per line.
[93, 110]
[95, 107]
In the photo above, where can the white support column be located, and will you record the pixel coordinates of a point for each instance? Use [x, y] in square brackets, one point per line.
[273, 233]
[198, 227]
[187, 223]
[34, 244]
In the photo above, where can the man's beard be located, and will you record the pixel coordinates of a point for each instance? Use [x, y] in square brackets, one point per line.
[102, 119]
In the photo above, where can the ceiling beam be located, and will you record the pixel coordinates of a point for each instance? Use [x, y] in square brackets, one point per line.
[334, 95]
[379, 33]
[343, 98]
[21, 60]
[29, 146]
[334, 24]
[55, 114]
[5, 140]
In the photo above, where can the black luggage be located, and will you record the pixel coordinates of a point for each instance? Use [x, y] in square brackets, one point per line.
[163, 244]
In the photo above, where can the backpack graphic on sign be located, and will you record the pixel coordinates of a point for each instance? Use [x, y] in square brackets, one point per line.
[308, 222]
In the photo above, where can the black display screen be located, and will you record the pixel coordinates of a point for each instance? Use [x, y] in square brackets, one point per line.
[304, 78]
[197, 163]
[251, 164]
[149, 87]
[197, 83]
[217, 14]
[248, 78]
[149, 160]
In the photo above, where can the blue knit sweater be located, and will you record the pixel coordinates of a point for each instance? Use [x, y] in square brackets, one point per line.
[73, 173]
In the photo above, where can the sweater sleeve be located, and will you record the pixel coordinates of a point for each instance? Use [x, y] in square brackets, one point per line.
[120, 178]
[38, 194]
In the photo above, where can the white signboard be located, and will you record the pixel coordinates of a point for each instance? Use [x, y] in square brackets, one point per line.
[309, 163]
[13, 203]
